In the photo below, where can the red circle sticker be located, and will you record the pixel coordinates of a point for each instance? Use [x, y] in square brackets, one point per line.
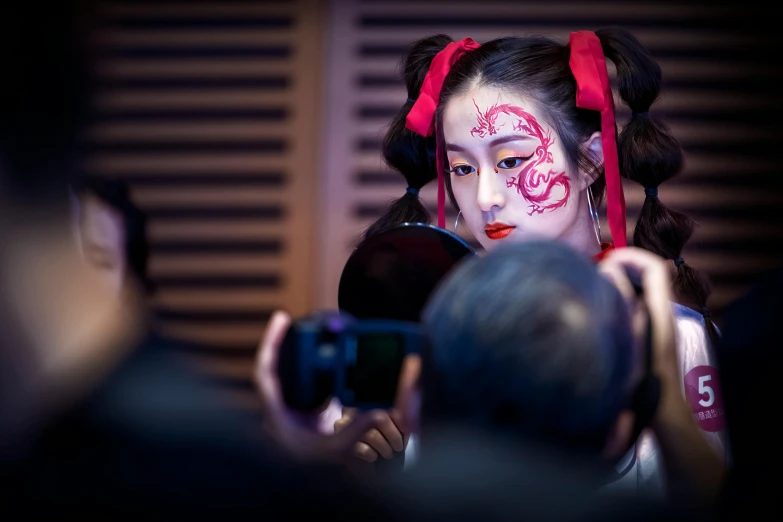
[702, 390]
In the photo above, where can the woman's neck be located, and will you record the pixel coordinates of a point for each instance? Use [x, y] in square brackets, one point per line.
[582, 235]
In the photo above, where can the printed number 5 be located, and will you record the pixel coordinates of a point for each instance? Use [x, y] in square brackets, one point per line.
[703, 388]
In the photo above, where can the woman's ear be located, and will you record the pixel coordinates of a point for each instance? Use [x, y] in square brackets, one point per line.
[594, 148]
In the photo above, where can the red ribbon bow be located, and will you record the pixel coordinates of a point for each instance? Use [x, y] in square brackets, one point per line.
[421, 118]
[594, 92]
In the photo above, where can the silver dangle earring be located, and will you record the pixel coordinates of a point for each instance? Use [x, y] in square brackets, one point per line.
[456, 221]
[594, 215]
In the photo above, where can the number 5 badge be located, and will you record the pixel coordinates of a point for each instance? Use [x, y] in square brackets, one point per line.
[702, 391]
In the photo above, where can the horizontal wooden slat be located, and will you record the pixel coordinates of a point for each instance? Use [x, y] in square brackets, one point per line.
[660, 50]
[209, 196]
[221, 317]
[258, 179]
[546, 10]
[242, 261]
[257, 52]
[200, 68]
[202, 98]
[205, 298]
[178, 249]
[504, 21]
[270, 280]
[143, 38]
[169, 231]
[185, 10]
[230, 337]
[652, 37]
[167, 131]
[193, 162]
[196, 115]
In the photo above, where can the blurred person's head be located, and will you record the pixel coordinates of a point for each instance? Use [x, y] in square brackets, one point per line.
[54, 311]
[531, 341]
[112, 231]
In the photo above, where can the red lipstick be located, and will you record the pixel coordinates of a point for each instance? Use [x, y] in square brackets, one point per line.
[498, 230]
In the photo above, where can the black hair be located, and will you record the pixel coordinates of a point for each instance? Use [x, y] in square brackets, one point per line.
[405, 151]
[541, 349]
[115, 193]
[650, 155]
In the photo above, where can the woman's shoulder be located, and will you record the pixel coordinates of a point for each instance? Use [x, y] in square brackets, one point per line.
[691, 330]
[700, 376]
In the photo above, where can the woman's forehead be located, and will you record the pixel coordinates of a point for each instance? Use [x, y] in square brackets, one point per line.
[484, 111]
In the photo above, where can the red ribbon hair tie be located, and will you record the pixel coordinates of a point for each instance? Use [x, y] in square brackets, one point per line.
[594, 92]
[421, 118]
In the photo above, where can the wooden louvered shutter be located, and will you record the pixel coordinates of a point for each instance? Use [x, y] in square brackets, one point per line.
[210, 111]
[730, 163]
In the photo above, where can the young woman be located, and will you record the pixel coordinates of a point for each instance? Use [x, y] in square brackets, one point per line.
[525, 145]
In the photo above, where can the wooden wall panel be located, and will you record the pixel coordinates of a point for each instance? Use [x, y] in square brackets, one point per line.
[210, 111]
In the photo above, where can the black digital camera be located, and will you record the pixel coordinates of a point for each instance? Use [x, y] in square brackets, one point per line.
[328, 354]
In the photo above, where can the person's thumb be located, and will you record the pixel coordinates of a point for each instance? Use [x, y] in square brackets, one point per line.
[348, 436]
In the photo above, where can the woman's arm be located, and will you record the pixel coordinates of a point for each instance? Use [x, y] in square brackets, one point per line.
[693, 470]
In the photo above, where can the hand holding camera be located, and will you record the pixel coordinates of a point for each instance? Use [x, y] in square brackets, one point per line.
[295, 431]
[384, 285]
[378, 443]
[643, 280]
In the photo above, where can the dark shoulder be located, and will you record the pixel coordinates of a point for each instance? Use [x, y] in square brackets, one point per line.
[473, 476]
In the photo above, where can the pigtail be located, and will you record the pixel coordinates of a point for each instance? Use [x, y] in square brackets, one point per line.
[650, 155]
[405, 151]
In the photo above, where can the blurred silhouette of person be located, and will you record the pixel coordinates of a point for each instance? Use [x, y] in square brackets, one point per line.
[113, 233]
[43, 312]
[112, 236]
[88, 421]
[750, 359]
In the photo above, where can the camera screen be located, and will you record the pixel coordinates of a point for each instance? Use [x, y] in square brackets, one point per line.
[373, 379]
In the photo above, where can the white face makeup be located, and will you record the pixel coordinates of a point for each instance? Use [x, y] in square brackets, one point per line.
[509, 172]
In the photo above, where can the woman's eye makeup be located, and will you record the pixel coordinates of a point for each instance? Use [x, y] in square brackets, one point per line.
[462, 170]
[513, 161]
